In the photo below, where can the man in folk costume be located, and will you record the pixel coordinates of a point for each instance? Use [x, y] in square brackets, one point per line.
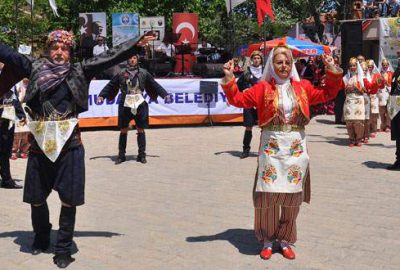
[58, 91]
[282, 180]
[133, 81]
[354, 106]
[383, 95]
[10, 112]
[375, 82]
[249, 78]
[394, 113]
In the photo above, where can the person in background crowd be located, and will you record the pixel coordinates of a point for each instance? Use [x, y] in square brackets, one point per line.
[301, 66]
[360, 58]
[250, 77]
[101, 46]
[395, 123]
[133, 81]
[282, 181]
[383, 95]
[309, 72]
[21, 142]
[237, 68]
[394, 8]
[340, 98]
[354, 108]
[10, 110]
[58, 91]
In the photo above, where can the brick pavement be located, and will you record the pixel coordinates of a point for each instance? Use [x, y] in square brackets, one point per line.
[190, 207]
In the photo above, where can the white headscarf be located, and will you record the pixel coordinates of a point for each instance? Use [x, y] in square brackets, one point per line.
[270, 73]
[375, 69]
[360, 74]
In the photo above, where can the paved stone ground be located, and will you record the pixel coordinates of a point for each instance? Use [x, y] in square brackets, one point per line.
[190, 207]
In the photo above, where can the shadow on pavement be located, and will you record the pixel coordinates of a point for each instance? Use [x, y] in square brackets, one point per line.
[326, 121]
[380, 145]
[376, 164]
[128, 157]
[235, 153]
[244, 240]
[331, 140]
[25, 238]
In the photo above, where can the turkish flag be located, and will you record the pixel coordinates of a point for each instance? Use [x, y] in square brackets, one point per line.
[264, 7]
[186, 24]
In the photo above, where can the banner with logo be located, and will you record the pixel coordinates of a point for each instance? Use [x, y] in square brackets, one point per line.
[125, 26]
[187, 101]
[155, 24]
[186, 24]
[91, 26]
[389, 39]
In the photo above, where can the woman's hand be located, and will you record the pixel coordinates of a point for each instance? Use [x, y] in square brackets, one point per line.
[228, 71]
[99, 100]
[328, 62]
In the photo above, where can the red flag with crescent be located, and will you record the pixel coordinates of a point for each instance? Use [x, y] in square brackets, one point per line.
[187, 25]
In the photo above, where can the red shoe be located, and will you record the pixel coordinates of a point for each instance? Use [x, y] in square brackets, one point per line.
[351, 145]
[358, 144]
[23, 155]
[266, 253]
[288, 253]
[13, 156]
[387, 130]
[373, 135]
[365, 140]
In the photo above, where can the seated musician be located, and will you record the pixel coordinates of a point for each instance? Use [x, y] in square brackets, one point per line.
[167, 51]
[167, 48]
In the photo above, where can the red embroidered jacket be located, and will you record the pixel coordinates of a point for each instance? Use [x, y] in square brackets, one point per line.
[264, 96]
[376, 83]
[388, 80]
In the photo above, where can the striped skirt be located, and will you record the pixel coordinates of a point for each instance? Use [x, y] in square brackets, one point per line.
[276, 213]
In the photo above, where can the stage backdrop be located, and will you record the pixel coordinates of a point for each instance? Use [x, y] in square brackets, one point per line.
[125, 26]
[389, 38]
[91, 25]
[188, 105]
[157, 24]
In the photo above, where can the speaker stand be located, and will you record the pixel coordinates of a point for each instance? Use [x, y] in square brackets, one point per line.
[209, 118]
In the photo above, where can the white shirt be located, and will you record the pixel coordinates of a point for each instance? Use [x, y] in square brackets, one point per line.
[99, 49]
[287, 102]
[166, 49]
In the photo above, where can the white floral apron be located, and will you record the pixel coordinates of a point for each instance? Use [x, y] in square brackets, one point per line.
[374, 104]
[354, 108]
[51, 136]
[393, 106]
[9, 114]
[133, 102]
[367, 104]
[282, 161]
[134, 96]
[383, 96]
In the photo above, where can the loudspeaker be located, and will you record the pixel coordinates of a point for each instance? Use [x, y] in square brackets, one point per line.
[208, 70]
[352, 41]
[159, 69]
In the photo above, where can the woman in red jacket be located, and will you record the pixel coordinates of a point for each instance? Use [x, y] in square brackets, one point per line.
[373, 83]
[282, 180]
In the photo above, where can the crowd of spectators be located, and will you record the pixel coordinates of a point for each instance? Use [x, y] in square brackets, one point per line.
[369, 9]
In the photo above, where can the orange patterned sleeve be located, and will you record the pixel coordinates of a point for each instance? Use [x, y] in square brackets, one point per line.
[249, 98]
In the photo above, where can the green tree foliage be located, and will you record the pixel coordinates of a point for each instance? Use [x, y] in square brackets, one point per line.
[215, 24]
